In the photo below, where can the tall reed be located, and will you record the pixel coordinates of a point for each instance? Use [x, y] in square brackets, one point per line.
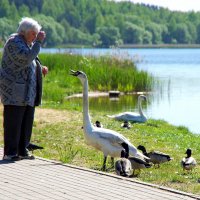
[104, 73]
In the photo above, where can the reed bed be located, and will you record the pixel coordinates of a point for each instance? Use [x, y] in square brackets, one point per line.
[104, 73]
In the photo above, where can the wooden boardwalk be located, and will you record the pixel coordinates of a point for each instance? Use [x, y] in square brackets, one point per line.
[43, 179]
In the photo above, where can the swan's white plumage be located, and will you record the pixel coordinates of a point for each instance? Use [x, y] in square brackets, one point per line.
[109, 142]
[105, 140]
[132, 116]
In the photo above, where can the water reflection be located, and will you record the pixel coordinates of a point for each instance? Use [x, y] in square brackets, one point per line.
[113, 105]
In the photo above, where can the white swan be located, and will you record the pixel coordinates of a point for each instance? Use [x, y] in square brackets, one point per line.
[132, 116]
[188, 163]
[108, 141]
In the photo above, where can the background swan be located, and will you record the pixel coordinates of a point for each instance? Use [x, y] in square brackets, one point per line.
[108, 141]
[132, 116]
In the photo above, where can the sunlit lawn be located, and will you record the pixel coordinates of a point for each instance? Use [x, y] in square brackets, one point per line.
[61, 135]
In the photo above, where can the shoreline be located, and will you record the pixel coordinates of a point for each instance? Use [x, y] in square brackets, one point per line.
[160, 46]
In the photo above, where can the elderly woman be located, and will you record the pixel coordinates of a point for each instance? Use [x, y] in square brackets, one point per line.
[20, 87]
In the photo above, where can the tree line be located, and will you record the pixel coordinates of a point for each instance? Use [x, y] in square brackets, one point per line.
[101, 23]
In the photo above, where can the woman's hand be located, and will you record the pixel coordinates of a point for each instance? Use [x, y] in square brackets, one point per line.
[44, 70]
[41, 36]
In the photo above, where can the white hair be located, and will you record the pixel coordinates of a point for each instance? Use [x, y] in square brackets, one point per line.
[27, 24]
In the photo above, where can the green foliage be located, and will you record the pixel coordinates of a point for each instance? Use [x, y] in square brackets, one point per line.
[104, 73]
[102, 23]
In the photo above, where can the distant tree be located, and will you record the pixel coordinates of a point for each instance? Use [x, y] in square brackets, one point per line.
[109, 36]
[67, 28]
[13, 12]
[198, 34]
[156, 31]
[24, 11]
[80, 38]
[181, 34]
[104, 23]
[147, 37]
[35, 6]
[134, 20]
[4, 8]
[132, 34]
[6, 28]
[53, 8]
[192, 30]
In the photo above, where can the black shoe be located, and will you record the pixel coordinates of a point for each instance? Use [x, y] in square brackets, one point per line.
[32, 147]
[28, 156]
[11, 158]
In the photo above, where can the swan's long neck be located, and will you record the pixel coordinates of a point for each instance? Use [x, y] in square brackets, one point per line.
[86, 116]
[140, 106]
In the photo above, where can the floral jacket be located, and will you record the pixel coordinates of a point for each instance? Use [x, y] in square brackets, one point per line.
[20, 73]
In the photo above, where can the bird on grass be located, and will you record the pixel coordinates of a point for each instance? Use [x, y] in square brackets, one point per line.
[32, 147]
[126, 124]
[132, 116]
[98, 124]
[156, 157]
[188, 162]
[138, 164]
[108, 141]
[123, 165]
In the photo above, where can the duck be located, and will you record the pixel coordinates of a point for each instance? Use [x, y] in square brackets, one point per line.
[126, 125]
[98, 124]
[133, 116]
[32, 147]
[123, 165]
[156, 157]
[138, 164]
[108, 141]
[188, 162]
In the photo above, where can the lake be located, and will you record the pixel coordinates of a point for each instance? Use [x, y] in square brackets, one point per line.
[178, 69]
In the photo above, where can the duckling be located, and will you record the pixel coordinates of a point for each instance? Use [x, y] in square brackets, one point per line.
[138, 164]
[123, 165]
[188, 162]
[98, 124]
[126, 124]
[156, 157]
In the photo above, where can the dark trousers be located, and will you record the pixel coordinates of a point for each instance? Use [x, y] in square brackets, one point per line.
[18, 123]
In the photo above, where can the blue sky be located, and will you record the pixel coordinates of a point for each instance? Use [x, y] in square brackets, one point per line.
[180, 5]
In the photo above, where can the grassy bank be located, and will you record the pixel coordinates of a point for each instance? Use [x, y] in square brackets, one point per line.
[62, 137]
[104, 73]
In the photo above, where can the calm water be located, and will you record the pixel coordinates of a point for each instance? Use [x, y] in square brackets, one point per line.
[179, 69]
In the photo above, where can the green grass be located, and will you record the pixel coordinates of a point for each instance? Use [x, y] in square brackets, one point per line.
[64, 141]
[104, 73]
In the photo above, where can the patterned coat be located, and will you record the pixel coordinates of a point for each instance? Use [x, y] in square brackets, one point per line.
[20, 73]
